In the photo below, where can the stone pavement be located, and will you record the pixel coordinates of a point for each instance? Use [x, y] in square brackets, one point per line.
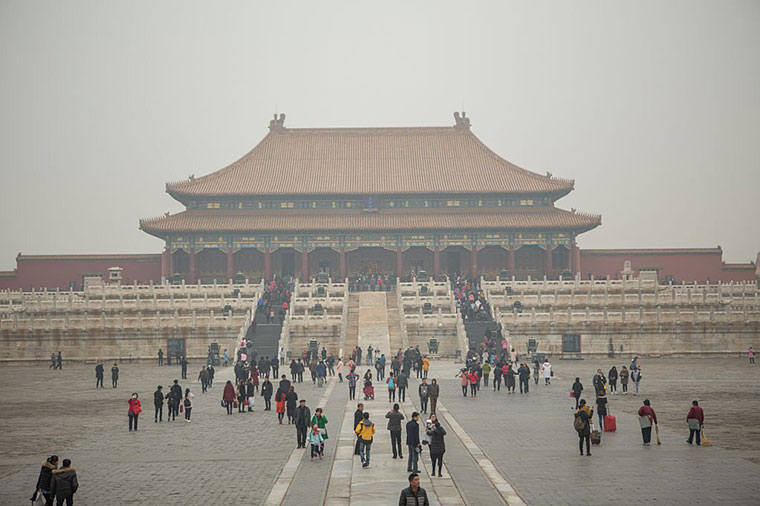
[201, 462]
[531, 441]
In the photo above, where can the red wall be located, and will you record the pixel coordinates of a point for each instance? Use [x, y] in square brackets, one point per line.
[58, 271]
[682, 264]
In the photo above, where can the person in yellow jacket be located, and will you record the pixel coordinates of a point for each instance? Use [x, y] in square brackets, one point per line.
[365, 430]
[425, 366]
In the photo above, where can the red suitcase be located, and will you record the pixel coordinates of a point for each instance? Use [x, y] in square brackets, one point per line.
[609, 423]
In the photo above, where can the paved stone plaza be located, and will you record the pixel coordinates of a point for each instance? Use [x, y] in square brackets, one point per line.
[501, 449]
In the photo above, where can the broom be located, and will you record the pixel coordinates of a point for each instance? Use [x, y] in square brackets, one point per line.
[657, 433]
[705, 441]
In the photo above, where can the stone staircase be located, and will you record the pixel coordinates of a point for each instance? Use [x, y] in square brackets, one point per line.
[265, 336]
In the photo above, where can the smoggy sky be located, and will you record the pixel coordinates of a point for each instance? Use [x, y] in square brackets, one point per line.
[653, 108]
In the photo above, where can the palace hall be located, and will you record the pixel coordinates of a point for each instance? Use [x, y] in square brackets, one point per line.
[346, 201]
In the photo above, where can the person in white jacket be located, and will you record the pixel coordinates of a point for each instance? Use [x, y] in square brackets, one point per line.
[546, 369]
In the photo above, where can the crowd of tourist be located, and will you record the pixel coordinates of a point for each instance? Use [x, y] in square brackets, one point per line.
[371, 282]
[275, 301]
[471, 300]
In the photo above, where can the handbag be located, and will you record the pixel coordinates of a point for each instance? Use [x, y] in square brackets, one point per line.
[223, 404]
[37, 498]
[181, 408]
[572, 394]
[693, 424]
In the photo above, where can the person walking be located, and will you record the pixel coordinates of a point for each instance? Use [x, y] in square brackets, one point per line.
[413, 444]
[394, 417]
[134, 410]
[352, 378]
[301, 420]
[583, 416]
[436, 433]
[188, 404]
[64, 484]
[422, 390]
[203, 378]
[114, 375]
[45, 479]
[174, 400]
[413, 495]
[464, 381]
[183, 364]
[160, 357]
[599, 382]
[624, 380]
[497, 374]
[647, 417]
[601, 408]
[473, 378]
[509, 377]
[99, 370]
[391, 382]
[339, 368]
[695, 418]
[524, 373]
[358, 417]
[321, 373]
[751, 355]
[266, 393]
[402, 383]
[228, 396]
[577, 389]
[366, 431]
[52, 361]
[434, 391]
[546, 369]
[321, 421]
[158, 404]
[425, 366]
[59, 360]
[612, 377]
[291, 399]
[316, 441]
[250, 395]
[279, 405]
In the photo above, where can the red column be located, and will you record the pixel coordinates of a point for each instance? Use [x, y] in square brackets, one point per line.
[474, 261]
[193, 270]
[304, 265]
[342, 263]
[548, 260]
[166, 264]
[436, 262]
[575, 258]
[399, 262]
[511, 260]
[267, 264]
[230, 264]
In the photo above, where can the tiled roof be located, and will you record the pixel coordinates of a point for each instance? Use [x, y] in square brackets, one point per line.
[653, 251]
[353, 220]
[104, 257]
[375, 161]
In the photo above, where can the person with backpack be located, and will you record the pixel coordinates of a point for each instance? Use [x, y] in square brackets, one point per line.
[365, 430]
[188, 404]
[636, 378]
[391, 382]
[402, 382]
[583, 415]
[497, 373]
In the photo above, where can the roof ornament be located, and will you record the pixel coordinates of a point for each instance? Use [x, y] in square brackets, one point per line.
[278, 123]
[548, 174]
[462, 122]
[192, 177]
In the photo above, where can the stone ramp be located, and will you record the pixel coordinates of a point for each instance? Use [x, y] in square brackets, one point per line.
[373, 322]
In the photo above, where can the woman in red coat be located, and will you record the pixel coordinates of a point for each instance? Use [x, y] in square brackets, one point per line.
[279, 406]
[255, 377]
[228, 396]
[134, 411]
[473, 377]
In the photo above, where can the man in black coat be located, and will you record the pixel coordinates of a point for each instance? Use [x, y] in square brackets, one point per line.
[266, 392]
[114, 375]
[413, 442]
[302, 418]
[183, 363]
[358, 417]
[158, 404]
[284, 384]
[99, 371]
[413, 495]
[64, 483]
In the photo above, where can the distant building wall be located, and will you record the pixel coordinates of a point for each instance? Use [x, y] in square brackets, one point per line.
[63, 271]
[702, 265]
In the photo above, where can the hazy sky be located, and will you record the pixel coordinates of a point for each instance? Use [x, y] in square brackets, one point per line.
[652, 107]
